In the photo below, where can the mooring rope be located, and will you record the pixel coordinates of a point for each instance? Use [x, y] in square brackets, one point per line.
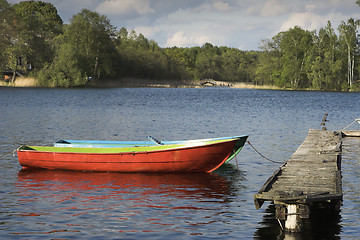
[8, 154]
[236, 159]
[262, 154]
[350, 124]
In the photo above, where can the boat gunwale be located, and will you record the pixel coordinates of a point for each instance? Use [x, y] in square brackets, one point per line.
[94, 143]
[125, 150]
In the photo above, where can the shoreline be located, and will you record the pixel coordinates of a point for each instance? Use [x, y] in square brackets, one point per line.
[20, 82]
[27, 82]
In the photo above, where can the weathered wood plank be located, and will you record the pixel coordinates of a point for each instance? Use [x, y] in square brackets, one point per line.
[350, 133]
[313, 169]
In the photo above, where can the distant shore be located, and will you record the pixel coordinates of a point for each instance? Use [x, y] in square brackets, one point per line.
[138, 83]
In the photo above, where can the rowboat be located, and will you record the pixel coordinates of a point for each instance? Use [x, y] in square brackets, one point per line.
[152, 142]
[198, 156]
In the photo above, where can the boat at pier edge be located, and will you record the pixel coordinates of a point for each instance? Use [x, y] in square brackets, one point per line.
[152, 142]
[204, 155]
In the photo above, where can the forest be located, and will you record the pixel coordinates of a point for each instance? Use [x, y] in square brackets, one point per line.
[35, 42]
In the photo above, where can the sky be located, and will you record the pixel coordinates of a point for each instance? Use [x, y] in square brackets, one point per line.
[239, 24]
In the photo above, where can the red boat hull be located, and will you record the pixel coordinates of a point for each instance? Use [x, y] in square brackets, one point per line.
[205, 158]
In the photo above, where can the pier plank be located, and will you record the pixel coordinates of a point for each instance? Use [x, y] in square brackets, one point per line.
[351, 133]
[313, 170]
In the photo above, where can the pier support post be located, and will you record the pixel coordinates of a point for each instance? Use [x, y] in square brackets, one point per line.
[293, 222]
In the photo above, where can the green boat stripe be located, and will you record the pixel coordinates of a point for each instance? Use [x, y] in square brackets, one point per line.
[118, 150]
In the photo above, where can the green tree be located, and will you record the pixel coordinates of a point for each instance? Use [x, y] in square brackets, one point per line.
[37, 24]
[250, 61]
[231, 64]
[7, 30]
[348, 39]
[268, 70]
[85, 49]
[323, 65]
[64, 71]
[218, 63]
[209, 62]
[143, 58]
[294, 46]
[92, 35]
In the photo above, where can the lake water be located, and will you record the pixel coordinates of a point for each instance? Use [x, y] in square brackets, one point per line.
[218, 205]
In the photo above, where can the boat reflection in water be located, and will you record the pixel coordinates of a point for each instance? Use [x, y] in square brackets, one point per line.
[178, 184]
[115, 201]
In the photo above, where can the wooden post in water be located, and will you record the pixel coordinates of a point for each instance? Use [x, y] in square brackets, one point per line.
[324, 120]
[293, 222]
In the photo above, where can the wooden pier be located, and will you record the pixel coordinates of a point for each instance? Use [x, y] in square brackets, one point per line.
[310, 178]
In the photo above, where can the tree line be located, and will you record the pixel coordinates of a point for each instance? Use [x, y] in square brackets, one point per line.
[35, 41]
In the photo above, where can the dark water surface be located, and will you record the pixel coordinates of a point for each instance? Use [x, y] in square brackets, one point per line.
[218, 205]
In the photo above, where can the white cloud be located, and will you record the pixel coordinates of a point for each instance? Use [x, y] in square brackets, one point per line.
[307, 20]
[269, 8]
[148, 31]
[123, 7]
[180, 39]
[233, 23]
[221, 6]
[274, 8]
[310, 7]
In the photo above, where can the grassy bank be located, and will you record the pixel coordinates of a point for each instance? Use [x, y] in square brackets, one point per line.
[137, 83]
[21, 82]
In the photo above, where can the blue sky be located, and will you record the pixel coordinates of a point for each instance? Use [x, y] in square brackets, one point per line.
[234, 23]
